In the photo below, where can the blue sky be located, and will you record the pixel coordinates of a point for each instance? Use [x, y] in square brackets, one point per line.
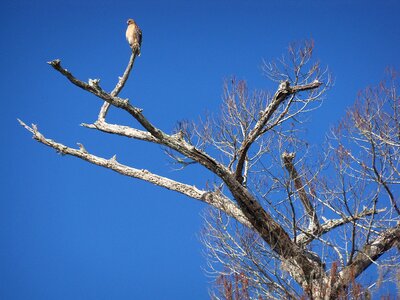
[71, 230]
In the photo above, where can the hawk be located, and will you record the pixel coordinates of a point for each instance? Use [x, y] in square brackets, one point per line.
[134, 36]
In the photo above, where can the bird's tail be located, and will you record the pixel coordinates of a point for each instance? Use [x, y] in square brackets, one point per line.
[136, 49]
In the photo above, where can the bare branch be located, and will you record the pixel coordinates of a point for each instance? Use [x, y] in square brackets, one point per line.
[307, 237]
[120, 85]
[216, 199]
[268, 228]
[173, 142]
[308, 207]
[122, 131]
[281, 95]
[94, 88]
[370, 253]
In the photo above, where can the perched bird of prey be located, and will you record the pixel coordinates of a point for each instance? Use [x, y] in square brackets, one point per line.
[134, 36]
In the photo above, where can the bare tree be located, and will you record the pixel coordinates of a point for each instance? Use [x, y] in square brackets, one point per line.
[268, 203]
[341, 205]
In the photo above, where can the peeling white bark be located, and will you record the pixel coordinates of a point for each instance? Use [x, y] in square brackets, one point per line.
[216, 199]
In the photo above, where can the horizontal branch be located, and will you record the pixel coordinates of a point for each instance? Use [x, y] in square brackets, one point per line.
[307, 237]
[305, 87]
[216, 199]
[122, 131]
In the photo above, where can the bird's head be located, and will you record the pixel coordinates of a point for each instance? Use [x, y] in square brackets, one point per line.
[130, 21]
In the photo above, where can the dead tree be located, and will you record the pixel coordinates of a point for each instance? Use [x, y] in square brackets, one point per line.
[240, 150]
[343, 206]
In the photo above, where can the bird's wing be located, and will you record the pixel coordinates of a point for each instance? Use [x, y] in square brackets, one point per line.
[139, 35]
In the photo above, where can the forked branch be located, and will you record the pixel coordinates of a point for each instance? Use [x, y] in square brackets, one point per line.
[307, 237]
[369, 253]
[118, 88]
[268, 228]
[283, 92]
[216, 199]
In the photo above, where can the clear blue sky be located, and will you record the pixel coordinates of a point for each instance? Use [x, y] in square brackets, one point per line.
[70, 230]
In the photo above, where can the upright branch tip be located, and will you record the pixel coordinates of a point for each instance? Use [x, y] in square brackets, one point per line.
[55, 62]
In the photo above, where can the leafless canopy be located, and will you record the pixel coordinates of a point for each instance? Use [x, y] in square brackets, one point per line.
[270, 205]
